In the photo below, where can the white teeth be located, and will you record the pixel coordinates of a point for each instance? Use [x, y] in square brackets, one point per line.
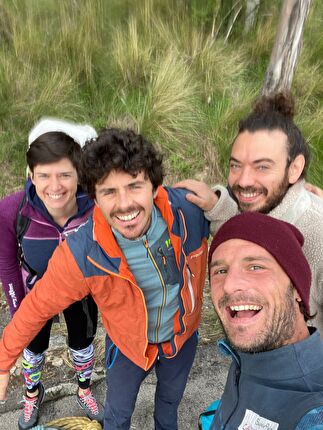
[55, 196]
[246, 308]
[128, 217]
[249, 195]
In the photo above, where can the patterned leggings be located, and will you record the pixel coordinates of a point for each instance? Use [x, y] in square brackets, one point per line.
[81, 323]
[33, 364]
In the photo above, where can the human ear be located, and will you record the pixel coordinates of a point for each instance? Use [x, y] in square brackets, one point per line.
[297, 297]
[29, 174]
[296, 168]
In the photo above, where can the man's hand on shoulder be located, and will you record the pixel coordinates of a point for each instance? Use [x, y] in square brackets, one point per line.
[314, 189]
[4, 381]
[204, 197]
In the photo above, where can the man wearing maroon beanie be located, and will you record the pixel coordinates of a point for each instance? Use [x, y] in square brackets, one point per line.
[260, 283]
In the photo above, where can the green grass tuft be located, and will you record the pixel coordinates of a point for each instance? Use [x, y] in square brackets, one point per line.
[162, 67]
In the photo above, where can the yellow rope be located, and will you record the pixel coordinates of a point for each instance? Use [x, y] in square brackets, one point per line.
[75, 423]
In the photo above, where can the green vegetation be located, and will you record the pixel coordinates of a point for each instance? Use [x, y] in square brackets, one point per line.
[182, 72]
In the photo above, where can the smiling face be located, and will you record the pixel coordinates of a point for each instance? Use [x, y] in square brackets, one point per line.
[56, 186]
[254, 298]
[126, 202]
[259, 175]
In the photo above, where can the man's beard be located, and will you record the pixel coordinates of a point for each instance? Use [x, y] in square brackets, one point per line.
[272, 201]
[278, 331]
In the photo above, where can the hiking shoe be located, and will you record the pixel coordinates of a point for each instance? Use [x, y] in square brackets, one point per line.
[93, 409]
[29, 416]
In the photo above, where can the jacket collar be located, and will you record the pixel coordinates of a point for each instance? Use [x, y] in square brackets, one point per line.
[293, 360]
[296, 201]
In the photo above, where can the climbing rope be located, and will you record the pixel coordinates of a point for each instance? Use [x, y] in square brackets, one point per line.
[71, 423]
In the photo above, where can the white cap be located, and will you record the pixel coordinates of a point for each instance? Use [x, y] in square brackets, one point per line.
[79, 132]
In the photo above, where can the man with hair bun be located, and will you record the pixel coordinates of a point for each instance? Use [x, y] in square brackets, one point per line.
[268, 163]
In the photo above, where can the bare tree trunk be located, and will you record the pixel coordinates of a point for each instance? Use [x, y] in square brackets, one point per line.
[251, 14]
[285, 53]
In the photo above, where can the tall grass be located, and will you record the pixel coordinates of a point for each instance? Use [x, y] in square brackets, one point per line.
[162, 67]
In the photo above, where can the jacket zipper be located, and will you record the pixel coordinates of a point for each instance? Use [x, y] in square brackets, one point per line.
[160, 308]
[22, 260]
[61, 235]
[237, 373]
[189, 274]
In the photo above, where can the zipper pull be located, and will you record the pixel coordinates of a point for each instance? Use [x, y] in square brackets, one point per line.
[146, 245]
[164, 259]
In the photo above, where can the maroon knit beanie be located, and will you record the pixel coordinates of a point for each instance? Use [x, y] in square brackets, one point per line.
[281, 239]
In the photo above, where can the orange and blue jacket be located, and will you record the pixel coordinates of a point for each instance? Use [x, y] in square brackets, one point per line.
[91, 262]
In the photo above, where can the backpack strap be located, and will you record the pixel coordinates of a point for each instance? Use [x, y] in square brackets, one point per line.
[22, 223]
[206, 417]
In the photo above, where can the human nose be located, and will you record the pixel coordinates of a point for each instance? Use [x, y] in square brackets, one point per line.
[226, 285]
[124, 200]
[234, 281]
[55, 183]
[245, 178]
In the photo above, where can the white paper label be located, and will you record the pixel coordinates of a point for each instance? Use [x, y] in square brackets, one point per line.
[253, 421]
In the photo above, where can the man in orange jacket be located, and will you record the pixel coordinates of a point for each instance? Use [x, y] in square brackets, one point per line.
[142, 256]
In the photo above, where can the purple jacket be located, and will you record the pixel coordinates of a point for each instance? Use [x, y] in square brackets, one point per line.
[39, 242]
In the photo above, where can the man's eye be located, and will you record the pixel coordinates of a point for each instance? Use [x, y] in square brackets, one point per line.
[234, 166]
[219, 272]
[262, 167]
[256, 267]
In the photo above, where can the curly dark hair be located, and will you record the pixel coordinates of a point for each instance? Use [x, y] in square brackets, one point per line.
[276, 112]
[119, 150]
[52, 147]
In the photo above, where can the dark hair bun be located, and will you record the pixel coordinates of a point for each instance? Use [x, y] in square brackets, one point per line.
[281, 102]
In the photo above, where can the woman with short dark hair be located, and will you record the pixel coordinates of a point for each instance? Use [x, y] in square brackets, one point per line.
[32, 224]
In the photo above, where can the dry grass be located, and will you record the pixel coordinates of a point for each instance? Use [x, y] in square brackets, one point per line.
[170, 105]
[132, 53]
[162, 66]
